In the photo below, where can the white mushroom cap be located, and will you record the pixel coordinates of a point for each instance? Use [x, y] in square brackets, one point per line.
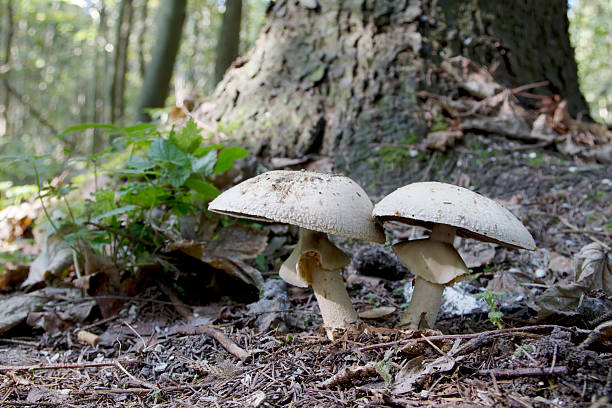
[473, 215]
[332, 204]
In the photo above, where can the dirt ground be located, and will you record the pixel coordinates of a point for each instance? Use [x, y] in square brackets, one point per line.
[275, 354]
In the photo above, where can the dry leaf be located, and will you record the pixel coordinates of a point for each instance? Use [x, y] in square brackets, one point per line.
[52, 260]
[12, 275]
[442, 139]
[594, 267]
[415, 371]
[15, 308]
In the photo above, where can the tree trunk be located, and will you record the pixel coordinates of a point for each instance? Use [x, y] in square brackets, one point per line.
[341, 78]
[229, 38]
[6, 96]
[144, 12]
[99, 78]
[159, 71]
[122, 40]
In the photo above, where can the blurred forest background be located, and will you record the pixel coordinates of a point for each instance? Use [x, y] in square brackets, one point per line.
[69, 62]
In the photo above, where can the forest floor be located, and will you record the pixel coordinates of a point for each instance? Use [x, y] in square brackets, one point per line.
[159, 352]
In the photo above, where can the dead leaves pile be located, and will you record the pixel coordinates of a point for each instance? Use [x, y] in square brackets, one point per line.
[491, 108]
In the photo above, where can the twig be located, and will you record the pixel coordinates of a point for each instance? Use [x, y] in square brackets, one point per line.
[144, 343]
[227, 343]
[457, 336]
[435, 347]
[528, 86]
[144, 383]
[576, 229]
[348, 373]
[59, 366]
[554, 360]
[523, 372]
[584, 231]
[139, 390]
[20, 342]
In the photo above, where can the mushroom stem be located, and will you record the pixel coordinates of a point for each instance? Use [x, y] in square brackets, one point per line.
[435, 264]
[317, 262]
[423, 309]
[334, 302]
[443, 233]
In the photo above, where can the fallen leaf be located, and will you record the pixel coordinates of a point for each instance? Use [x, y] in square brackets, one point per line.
[52, 260]
[415, 371]
[594, 267]
[14, 309]
[12, 275]
[560, 265]
[442, 139]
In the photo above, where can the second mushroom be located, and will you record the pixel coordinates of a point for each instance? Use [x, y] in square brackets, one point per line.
[446, 210]
[319, 204]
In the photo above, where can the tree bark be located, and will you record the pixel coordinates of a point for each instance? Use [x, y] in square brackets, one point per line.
[122, 40]
[156, 84]
[229, 38]
[343, 78]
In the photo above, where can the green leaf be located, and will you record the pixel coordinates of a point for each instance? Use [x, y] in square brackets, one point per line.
[146, 197]
[201, 151]
[140, 163]
[205, 190]
[116, 211]
[205, 163]
[188, 139]
[178, 176]
[227, 157]
[129, 130]
[86, 126]
[165, 151]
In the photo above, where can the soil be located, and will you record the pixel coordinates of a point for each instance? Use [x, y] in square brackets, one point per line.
[150, 355]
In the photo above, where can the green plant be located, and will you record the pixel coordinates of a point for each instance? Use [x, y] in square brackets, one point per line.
[495, 316]
[153, 178]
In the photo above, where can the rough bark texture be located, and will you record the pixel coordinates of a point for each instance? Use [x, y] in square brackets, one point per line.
[527, 41]
[156, 84]
[341, 78]
[229, 38]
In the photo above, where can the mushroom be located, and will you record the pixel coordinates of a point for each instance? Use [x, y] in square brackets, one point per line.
[319, 204]
[447, 210]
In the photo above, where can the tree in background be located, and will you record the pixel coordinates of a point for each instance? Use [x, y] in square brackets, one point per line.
[158, 72]
[229, 38]
[591, 35]
[4, 71]
[122, 40]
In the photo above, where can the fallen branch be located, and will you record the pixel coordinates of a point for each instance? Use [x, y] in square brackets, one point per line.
[227, 343]
[542, 328]
[578, 230]
[523, 372]
[187, 330]
[61, 366]
[349, 373]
